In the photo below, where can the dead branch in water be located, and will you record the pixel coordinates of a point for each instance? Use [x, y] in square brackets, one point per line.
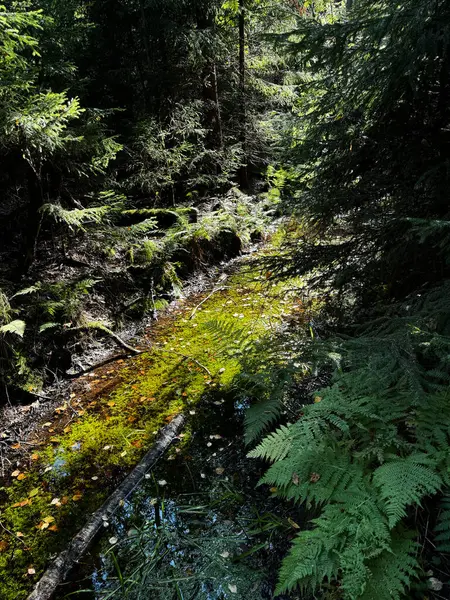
[60, 568]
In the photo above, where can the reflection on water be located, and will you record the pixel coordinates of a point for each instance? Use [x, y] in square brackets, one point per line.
[196, 529]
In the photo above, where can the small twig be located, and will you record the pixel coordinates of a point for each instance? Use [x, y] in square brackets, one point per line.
[7, 396]
[215, 290]
[12, 534]
[186, 357]
[104, 329]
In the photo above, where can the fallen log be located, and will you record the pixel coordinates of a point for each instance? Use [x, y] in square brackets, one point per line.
[62, 565]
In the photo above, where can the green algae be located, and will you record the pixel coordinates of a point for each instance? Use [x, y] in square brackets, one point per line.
[82, 462]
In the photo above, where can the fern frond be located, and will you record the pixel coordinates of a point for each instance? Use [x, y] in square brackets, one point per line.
[392, 572]
[405, 481]
[78, 217]
[442, 529]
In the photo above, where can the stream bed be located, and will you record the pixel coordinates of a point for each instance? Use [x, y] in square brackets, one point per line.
[185, 532]
[197, 528]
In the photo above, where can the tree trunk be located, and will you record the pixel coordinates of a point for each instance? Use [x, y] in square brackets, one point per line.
[210, 90]
[243, 173]
[35, 202]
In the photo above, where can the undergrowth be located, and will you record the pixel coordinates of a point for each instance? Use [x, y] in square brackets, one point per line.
[367, 454]
[96, 435]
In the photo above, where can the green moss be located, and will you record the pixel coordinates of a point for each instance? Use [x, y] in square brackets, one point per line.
[110, 433]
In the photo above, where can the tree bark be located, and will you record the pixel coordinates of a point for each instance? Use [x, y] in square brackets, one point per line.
[58, 571]
[35, 202]
[243, 172]
[210, 89]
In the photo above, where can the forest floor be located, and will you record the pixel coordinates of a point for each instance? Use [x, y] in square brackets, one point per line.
[79, 451]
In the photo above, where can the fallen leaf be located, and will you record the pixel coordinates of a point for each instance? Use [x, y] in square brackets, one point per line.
[24, 503]
[19, 534]
[317, 399]
[232, 588]
[67, 429]
[33, 493]
[314, 477]
[21, 477]
[162, 482]
[53, 528]
[15, 446]
[295, 479]
[113, 540]
[77, 497]
[293, 523]
[49, 519]
[55, 501]
[64, 499]
[3, 546]
[47, 424]
[94, 478]
[54, 440]
[111, 403]
[225, 554]
[34, 457]
[220, 470]
[31, 571]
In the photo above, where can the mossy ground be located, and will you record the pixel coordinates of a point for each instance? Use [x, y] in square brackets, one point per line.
[110, 419]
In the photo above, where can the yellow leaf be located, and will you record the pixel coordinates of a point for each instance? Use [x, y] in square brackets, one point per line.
[33, 493]
[111, 403]
[21, 477]
[19, 534]
[53, 528]
[34, 457]
[48, 519]
[293, 523]
[77, 497]
[317, 399]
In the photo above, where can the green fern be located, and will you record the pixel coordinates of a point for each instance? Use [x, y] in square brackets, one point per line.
[442, 529]
[405, 481]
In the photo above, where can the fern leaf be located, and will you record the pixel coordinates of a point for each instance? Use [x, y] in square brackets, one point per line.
[405, 481]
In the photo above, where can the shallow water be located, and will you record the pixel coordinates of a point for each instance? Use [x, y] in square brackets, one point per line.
[110, 418]
[197, 528]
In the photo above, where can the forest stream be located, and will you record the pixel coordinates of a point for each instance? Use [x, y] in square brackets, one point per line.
[194, 504]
